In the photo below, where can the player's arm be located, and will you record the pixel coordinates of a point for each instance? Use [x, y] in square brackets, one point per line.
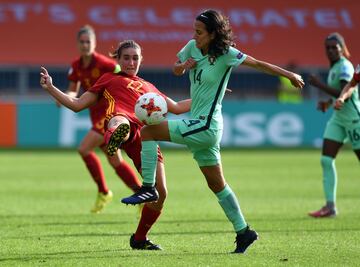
[346, 93]
[315, 81]
[324, 105]
[73, 103]
[296, 79]
[178, 107]
[73, 90]
[180, 67]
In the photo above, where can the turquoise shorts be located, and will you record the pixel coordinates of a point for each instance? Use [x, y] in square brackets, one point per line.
[343, 131]
[203, 142]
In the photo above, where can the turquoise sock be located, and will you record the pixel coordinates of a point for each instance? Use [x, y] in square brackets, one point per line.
[149, 157]
[231, 207]
[329, 178]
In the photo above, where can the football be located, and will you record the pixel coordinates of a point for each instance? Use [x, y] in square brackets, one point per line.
[151, 108]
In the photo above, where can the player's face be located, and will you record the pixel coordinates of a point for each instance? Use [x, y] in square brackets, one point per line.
[201, 36]
[86, 44]
[333, 50]
[130, 61]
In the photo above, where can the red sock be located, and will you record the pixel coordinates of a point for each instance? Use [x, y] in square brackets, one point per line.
[148, 218]
[128, 176]
[94, 166]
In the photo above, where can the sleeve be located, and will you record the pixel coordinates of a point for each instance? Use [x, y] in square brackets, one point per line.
[185, 52]
[346, 72]
[357, 73]
[234, 57]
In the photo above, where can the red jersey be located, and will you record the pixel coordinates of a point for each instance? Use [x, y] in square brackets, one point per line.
[87, 77]
[357, 73]
[119, 92]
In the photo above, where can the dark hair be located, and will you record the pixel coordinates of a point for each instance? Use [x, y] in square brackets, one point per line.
[341, 41]
[123, 45]
[216, 23]
[87, 29]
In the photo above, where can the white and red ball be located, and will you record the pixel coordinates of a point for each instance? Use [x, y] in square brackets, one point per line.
[151, 108]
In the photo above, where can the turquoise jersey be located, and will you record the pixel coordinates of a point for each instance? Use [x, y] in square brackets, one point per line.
[209, 81]
[344, 70]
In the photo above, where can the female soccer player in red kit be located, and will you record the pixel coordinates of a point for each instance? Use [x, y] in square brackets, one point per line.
[118, 93]
[84, 72]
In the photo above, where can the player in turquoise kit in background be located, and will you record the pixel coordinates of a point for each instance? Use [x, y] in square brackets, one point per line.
[84, 72]
[343, 124]
[209, 58]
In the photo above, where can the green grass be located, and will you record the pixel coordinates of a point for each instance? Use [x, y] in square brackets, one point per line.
[46, 196]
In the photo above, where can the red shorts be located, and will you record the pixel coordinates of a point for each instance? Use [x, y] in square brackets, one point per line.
[132, 146]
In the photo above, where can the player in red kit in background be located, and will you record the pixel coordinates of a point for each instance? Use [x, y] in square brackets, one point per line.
[83, 74]
[118, 92]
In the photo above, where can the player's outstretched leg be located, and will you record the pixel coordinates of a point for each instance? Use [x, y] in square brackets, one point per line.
[114, 137]
[245, 239]
[145, 194]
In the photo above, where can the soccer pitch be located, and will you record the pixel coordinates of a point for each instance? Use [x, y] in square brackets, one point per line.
[46, 196]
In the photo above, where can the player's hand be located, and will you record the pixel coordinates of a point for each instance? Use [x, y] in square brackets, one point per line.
[339, 103]
[324, 105]
[189, 64]
[45, 78]
[314, 80]
[297, 80]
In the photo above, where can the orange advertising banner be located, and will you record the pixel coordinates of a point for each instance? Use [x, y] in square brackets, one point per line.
[8, 118]
[35, 32]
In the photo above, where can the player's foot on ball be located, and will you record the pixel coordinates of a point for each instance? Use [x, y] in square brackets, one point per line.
[102, 200]
[145, 194]
[324, 212]
[114, 137]
[244, 240]
[143, 244]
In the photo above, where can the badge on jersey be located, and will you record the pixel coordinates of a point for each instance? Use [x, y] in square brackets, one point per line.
[95, 73]
[240, 55]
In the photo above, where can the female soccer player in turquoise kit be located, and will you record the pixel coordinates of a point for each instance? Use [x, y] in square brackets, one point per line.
[209, 58]
[343, 124]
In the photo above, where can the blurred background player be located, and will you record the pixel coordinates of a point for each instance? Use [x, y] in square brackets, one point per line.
[287, 93]
[349, 90]
[118, 93]
[209, 57]
[83, 74]
[343, 124]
